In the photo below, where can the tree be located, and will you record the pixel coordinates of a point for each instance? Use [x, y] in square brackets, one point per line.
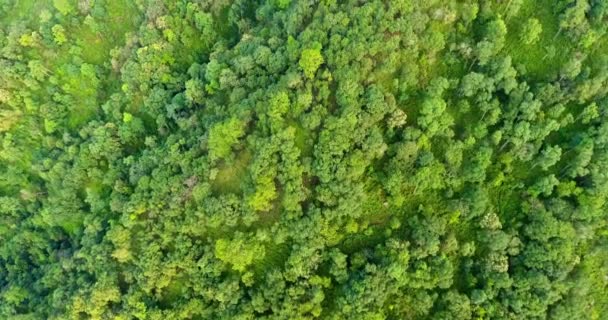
[574, 17]
[432, 117]
[472, 83]
[531, 31]
[59, 34]
[235, 159]
[548, 157]
[278, 107]
[577, 167]
[310, 60]
[195, 91]
[572, 67]
[239, 252]
[589, 113]
[493, 42]
[544, 186]
[264, 194]
[223, 136]
[63, 6]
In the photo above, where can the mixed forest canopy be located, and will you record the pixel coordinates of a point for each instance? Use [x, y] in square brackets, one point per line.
[303, 159]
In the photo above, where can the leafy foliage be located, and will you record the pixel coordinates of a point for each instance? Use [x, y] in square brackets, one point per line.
[238, 159]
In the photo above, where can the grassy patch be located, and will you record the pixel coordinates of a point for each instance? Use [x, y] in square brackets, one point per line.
[303, 140]
[173, 292]
[231, 174]
[271, 216]
[24, 10]
[122, 17]
[274, 258]
[542, 59]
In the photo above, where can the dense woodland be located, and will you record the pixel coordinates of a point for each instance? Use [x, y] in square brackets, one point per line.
[303, 159]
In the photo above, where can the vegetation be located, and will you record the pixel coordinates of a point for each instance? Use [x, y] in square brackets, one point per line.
[245, 159]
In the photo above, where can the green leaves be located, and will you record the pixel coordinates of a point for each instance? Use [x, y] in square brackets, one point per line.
[59, 34]
[223, 136]
[303, 159]
[531, 31]
[265, 193]
[548, 157]
[63, 6]
[310, 61]
[239, 252]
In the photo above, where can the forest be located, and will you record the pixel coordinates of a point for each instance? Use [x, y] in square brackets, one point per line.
[303, 159]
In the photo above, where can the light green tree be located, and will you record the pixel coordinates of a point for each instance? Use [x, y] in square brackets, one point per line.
[310, 60]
